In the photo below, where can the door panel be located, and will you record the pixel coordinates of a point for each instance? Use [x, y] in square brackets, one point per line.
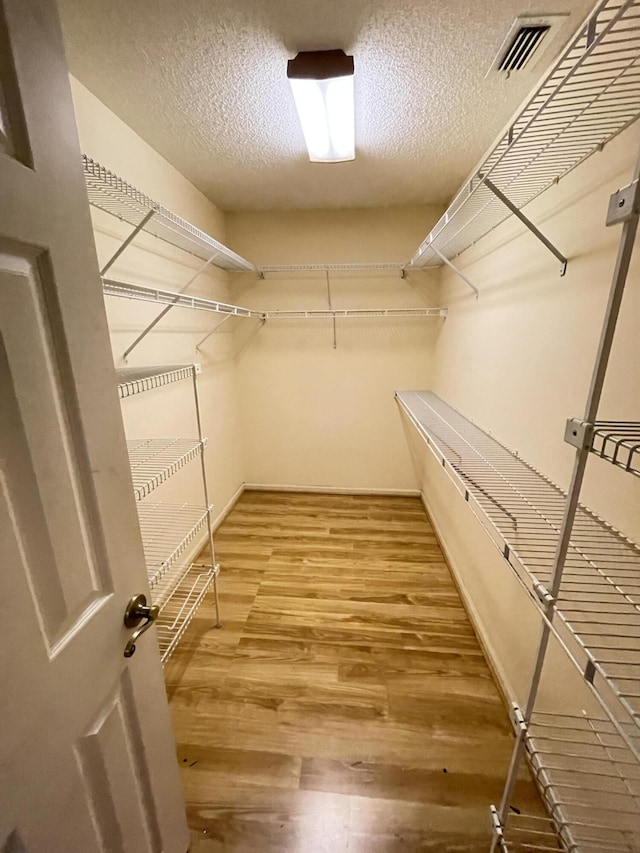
[111, 747]
[52, 469]
[87, 759]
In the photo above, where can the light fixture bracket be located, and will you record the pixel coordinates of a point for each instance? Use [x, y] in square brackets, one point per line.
[320, 65]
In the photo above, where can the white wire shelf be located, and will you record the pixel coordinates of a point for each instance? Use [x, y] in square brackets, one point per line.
[530, 834]
[591, 95]
[388, 267]
[110, 193]
[135, 380]
[619, 443]
[167, 297]
[179, 608]
[599, 599]
[355, 313]
[589, 780]
[126, 290]
[111, 287]
[154, 460]
[167, 531]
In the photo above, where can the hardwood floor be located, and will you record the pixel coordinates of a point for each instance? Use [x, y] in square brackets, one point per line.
[346, 704]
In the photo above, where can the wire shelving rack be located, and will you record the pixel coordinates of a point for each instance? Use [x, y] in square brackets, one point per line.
[530, 834]
[111, 287]
[587, 768]
[110, 193]
[588, 779]
[354, 313]
[591, 94]
[136, 380]
[619, 443]
[181, 605]
[522, 511]
[169, 531]
[154, 460]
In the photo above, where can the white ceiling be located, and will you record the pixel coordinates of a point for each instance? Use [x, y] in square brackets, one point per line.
[204, 82]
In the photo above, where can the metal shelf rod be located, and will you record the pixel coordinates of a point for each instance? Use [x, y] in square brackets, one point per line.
[205, 487]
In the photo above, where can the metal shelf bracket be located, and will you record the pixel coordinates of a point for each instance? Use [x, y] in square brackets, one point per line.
[624, 204]
[126, 243]
[518, 719]
[578, 433]
[529, 224]
[543, 594]
[460, 274]
[214, 330]
[496, 823]
[143, 334]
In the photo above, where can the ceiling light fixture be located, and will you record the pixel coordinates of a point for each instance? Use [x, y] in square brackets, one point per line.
[322, 86]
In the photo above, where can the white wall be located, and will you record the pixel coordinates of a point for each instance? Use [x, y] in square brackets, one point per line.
[518, 362]
[149, 261]
[313, 415]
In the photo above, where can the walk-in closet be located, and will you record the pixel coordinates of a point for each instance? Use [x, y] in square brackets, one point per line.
[320, 426]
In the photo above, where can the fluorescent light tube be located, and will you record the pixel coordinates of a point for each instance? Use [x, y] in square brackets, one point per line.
[322, 86]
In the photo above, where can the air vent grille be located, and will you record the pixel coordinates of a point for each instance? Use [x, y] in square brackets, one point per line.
[522, 47]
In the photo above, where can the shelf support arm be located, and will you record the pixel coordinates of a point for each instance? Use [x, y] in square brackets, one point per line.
[529, 224]
[126, 243]
[454, 268]
[213, 331]
[143, 334]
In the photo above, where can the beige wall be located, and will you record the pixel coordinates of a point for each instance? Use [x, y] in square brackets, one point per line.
[283, 407]
[149, 261]
[518, 361]
[313, 415]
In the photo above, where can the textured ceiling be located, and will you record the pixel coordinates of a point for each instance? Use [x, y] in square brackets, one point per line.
[204, 82]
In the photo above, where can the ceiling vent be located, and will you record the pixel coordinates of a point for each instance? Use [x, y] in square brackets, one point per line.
[528, 37]
[522, 47]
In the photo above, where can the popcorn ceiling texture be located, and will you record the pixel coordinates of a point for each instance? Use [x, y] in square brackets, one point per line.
[204, 83]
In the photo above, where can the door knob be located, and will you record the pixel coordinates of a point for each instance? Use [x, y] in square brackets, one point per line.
[137, 610]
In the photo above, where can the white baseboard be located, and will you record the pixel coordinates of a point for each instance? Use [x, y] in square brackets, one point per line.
[226, 509]
[332, 490]
[487, 649]
[198, 544]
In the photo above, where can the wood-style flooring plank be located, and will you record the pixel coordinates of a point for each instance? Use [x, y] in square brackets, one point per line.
[346, 705]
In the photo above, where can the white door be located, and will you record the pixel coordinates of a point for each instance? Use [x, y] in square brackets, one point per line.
[87, 759]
